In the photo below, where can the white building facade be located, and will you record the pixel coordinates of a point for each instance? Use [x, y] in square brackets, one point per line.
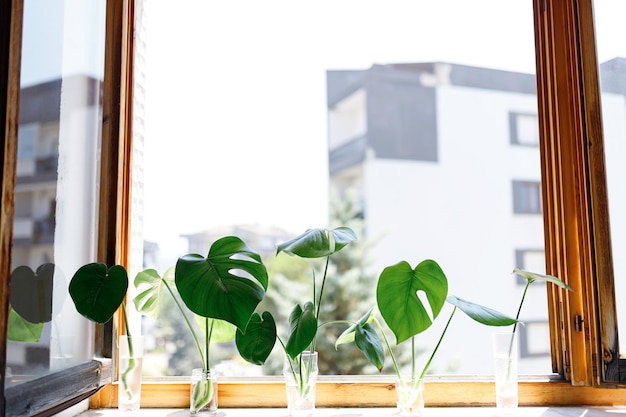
[447, 163]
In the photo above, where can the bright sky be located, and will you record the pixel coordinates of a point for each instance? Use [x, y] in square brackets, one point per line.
[236, 95]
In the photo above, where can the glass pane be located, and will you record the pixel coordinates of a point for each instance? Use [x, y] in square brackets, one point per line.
[612, 59]
[409, 122]
[56, 191]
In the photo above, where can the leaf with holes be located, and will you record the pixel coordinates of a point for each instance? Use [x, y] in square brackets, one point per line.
[151, 288]
[228, 284]
[398, 300]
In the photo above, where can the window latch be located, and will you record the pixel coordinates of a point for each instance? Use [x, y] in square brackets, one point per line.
[578, 323]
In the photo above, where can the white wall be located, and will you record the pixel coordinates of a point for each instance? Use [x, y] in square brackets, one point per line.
[459, 212]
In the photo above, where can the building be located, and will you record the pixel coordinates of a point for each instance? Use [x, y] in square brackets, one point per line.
[261, 239]
[44, 108]
[460, 146]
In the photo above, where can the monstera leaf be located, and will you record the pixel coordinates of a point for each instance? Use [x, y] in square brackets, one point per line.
[151, 290]
[210, 288]
[317, 243]
[302, 329]
[256, 344]
[98, 292]
[398, 300]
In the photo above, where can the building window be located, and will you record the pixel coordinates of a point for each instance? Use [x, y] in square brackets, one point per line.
[534, 339]
[526, 197]
[524, 129]
[530, 260]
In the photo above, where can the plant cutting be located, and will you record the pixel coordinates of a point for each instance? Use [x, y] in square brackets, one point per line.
[257, 342]
[98, 292]
[505, 354]
[223, 289]
[152, 287]
[530, 278]
[406, 315]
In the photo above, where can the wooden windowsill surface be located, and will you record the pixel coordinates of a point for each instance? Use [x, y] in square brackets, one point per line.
[379, 412]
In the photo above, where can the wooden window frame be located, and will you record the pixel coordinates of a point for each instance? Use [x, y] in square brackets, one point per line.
[583, 323]
[49, 394]
[584, 344]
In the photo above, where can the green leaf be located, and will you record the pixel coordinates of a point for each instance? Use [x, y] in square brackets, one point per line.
[151, 287]
[348, 335]
[368, 342]
[398, 302]
[97, 292]
[302, 329]
[31, 292]
[222, 331]
[210, 288]
[532, 277]
[21, 330]
[317, 243]
[257, 343]
[484, 315]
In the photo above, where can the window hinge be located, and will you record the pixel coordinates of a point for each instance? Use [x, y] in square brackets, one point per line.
[578, 323]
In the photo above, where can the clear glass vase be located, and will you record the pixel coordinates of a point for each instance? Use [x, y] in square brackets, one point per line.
[300, 381]
[505, 372]
[130, 360]
[203, 393]
[410, 397]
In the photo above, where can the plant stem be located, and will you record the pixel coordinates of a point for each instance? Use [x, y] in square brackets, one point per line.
[413, 358]
[432, 355]
[519, 309]
[131, 359]
[391, 355]
[207, 342]
[193, 333]
[299, 381]
[203, 390]
[336, 322]
[319, 301]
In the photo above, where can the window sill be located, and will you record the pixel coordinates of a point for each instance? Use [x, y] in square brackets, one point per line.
[379, 412]
[368, 392]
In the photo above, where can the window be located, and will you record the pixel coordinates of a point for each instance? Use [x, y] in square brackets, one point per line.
[613, 98]
[530, 260]
[524, 130]
[534, 339]
[573, 204]
[54, 178]
[526, 197]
